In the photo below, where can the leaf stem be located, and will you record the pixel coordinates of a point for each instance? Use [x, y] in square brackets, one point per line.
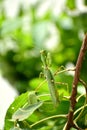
[80, 109]
[51, 117]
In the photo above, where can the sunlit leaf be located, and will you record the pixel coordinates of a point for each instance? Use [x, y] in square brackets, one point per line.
[71, 4]
[19, 102]
[23, 113]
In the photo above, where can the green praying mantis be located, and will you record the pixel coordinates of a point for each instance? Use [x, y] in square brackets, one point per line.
[45, 58]
[49, 77]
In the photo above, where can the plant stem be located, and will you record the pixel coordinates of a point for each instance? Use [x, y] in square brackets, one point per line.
[83, 50]
[79, 109]
[56, 116]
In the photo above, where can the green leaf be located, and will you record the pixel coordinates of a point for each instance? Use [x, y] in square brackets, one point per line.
[71, 4]
[19, 102]
[23, 113]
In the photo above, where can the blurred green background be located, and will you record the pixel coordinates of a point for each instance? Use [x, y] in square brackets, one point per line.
[26, 27]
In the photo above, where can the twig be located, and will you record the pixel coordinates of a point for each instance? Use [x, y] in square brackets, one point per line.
[84, 84]
[51, 117]
[83, 50]
[79, 109]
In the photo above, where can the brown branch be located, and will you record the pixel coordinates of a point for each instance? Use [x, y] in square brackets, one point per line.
[83, 50]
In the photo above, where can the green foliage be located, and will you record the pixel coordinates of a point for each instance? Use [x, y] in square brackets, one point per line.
[21, 113]
[24, 111]
[71, 4]
[21, 39]
[18, 103]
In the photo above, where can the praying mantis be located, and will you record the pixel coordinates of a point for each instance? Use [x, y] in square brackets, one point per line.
[46, 60]
[49, 77]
